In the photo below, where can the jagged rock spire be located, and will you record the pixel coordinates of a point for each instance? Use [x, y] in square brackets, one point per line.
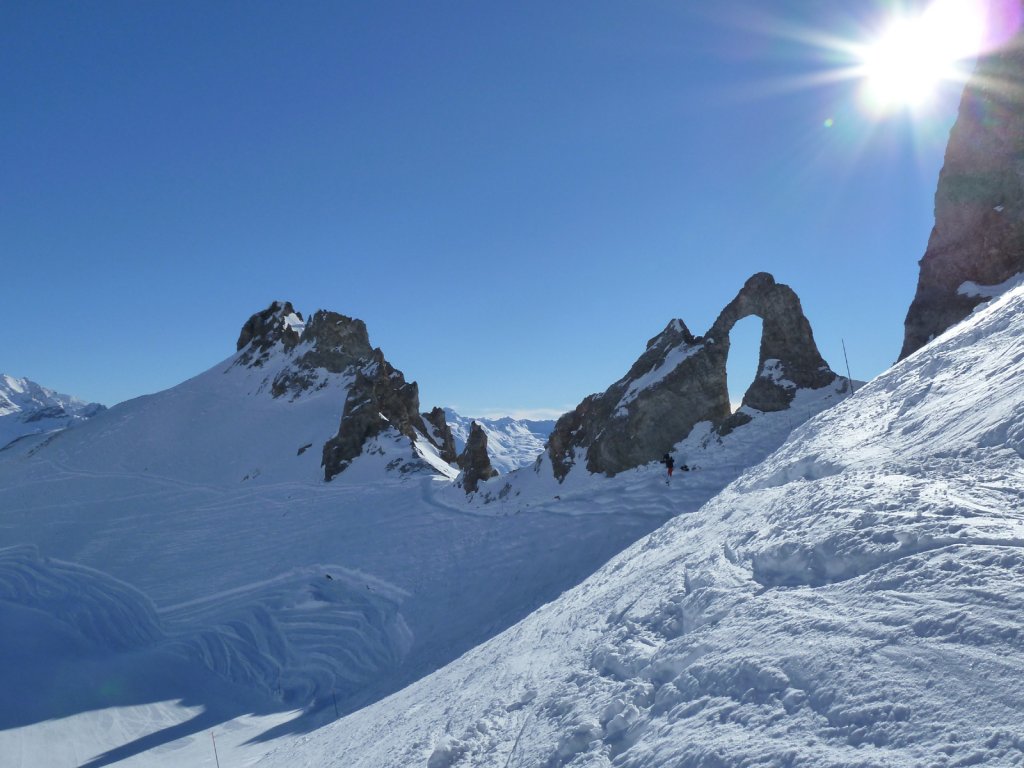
[441, 434]
[474, 461]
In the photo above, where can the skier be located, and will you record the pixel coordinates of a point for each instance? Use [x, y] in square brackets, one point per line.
[670, 464]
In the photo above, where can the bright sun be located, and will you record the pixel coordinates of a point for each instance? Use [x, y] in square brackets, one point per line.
[915, 54]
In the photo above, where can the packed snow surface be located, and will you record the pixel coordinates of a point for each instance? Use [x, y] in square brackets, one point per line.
[854, 600]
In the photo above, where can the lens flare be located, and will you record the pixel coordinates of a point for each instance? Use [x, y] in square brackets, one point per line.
[905, 65]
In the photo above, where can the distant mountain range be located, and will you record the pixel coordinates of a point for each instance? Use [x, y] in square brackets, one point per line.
[512, 443]
[26, 408]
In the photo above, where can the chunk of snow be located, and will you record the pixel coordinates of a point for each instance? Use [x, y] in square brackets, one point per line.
[974, 290]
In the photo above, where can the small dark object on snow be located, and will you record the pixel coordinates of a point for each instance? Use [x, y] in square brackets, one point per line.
[328, 577]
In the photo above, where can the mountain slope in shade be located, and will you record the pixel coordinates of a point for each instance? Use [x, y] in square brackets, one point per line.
[26, 408]
[512, 443]
[853, 600]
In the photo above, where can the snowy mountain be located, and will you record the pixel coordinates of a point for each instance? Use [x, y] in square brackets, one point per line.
[512, 443]
[26, 408]
[854, 600]
[192, 544]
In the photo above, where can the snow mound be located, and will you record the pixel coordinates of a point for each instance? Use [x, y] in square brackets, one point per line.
[854, 600]
[299, 637]
[302, 636]
[104, 611]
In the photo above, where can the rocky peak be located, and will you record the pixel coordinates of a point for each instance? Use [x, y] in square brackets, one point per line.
[680, 381]
[978, 237]
[277, 323]
[441, 434]
[474, 461]
[308, 356]
[330, 343]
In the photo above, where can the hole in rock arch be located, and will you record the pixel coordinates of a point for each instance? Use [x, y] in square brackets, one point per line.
[744, 353]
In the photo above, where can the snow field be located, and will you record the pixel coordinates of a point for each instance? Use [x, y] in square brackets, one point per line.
[854, 600]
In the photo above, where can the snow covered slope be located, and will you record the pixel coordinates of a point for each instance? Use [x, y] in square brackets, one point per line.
[511, 443]
[186, 545]
[27, 408]
[854, 600]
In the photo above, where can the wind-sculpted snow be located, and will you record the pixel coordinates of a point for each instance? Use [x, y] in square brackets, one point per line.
[315, 632]
[854, 600]
[298, 637]
[108, 613]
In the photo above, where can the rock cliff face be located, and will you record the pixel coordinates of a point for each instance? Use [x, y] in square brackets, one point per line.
[979, 202]
[379, 399]
[306, 355]
[441, 434]
[474, 460]
[680, 381]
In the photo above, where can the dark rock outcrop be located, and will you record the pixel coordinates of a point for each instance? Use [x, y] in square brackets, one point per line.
[309, 354]
[329, 342]
[474, 460]
[265, 329]
[379, 399]
[441, 434]
[979, 202]
[680, 381]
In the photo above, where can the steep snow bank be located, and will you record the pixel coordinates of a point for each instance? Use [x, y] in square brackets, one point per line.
[854, 600]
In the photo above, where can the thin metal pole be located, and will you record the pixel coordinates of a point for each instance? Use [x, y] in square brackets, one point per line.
[849, 378]
[215, 757]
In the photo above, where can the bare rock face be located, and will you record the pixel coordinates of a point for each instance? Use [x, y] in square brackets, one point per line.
[680, 381]
[788, 359]
[265, 329]
[329, 342]
[441, 434]
[979, 203]
[474, 461]
[379, 399]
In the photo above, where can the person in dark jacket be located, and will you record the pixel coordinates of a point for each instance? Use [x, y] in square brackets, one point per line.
[669, 463]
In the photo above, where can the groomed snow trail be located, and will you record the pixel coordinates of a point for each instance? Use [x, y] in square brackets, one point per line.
[854, 600]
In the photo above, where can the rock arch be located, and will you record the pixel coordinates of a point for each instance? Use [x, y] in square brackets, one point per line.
[680, 381]
[789, 358]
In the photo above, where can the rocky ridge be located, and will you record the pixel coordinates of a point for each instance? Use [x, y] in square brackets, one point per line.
[680, 381]
[378, 396]
[978, 237]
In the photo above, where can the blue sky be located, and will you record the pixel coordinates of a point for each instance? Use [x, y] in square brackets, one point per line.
[514, 197]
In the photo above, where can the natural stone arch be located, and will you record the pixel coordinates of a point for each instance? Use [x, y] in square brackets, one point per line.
[680, 381]
[788, 359]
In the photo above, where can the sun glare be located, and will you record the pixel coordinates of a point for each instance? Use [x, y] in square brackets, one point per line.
[915, 54]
